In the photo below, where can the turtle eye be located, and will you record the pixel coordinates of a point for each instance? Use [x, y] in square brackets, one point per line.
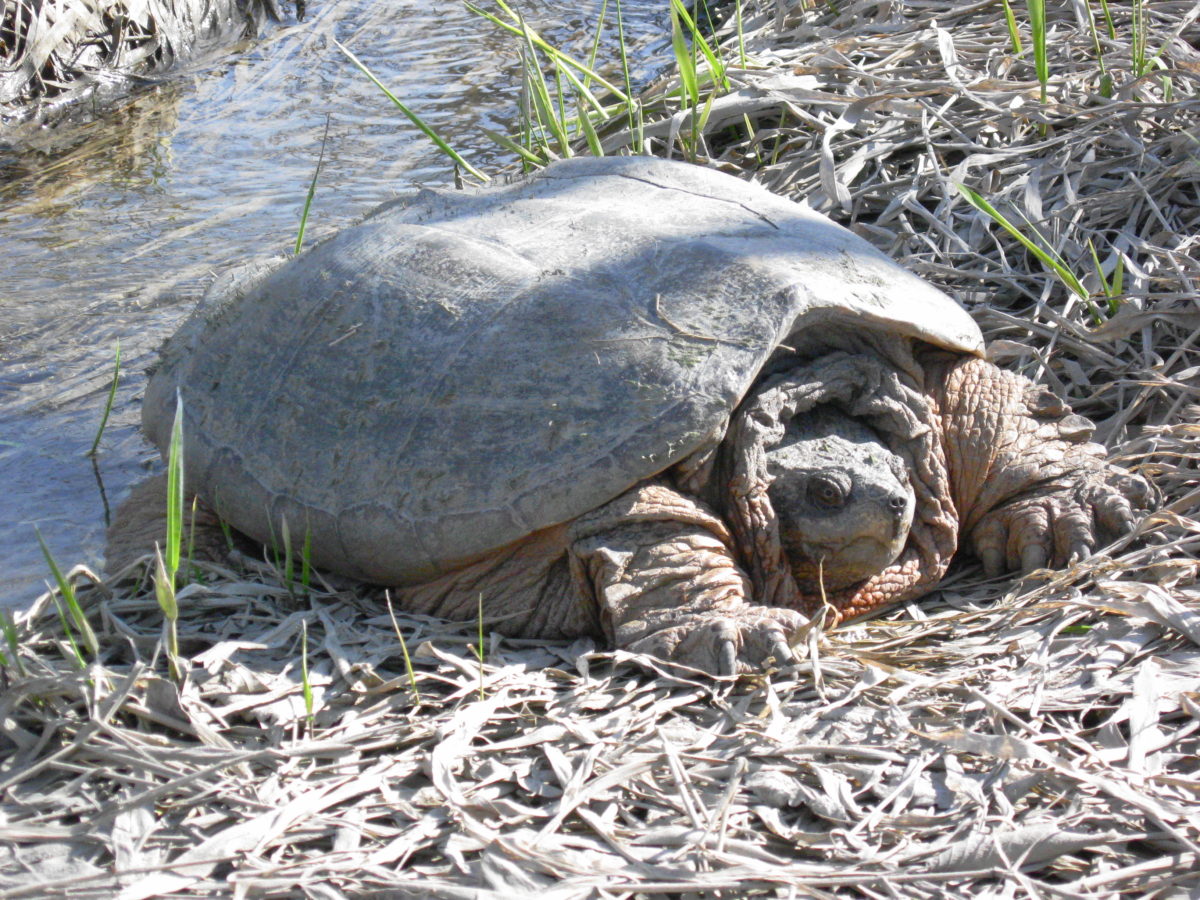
[828, 491]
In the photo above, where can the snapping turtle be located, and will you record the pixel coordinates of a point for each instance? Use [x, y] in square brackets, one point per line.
[626, 397]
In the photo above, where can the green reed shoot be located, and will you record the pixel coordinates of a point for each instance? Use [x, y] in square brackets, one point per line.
[545, 114]
[412, 116]
[1037, 25]
[70, 633]
[1043, 251]
[741, 34]
[312, 190]
[175, 477]
[632, 106]
[227, 532]
[306, 684]
[1108, 19]
[10, 639]
[517, 26]
[1141, 61]
[1112, 288]
[1014, 36]
[168, 602]
[166, 565]
[67, 591]
[112, 393]
[595, 51]
[716, 65]
[1137, 44]
[1106, 82]
[685, 60]
[589, 131]
[408, 666]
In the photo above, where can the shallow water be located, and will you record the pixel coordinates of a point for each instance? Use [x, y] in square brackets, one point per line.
[113, 232]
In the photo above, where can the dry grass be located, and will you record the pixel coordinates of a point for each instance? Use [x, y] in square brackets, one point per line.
[1033, 739]
[60, 50]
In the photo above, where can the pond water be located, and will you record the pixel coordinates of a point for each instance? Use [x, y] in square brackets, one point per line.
[110, 230]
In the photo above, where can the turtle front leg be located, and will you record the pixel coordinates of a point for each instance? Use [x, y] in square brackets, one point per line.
[1030, 487]
[659, 567]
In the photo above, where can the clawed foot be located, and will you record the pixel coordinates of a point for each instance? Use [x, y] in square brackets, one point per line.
[1061, 525]
[728, 643]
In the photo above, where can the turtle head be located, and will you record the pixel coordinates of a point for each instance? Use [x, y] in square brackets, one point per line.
[843, 500]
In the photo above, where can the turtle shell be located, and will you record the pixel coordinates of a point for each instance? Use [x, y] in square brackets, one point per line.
[461, 369]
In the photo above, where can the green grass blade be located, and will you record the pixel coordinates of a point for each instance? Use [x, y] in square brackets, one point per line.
[10, 638]
[548, 115]
[1037, 25]
[633, 109]
[408, 666]
[412, 116]
[589, 131]
[175, 476]
[312, 190]
[164, 589]
[1112, 289]
[683, 60]
[1098, 268]
[1108, 20]
[1106, 83]
[1050, 259]
[546, 48]
[716, 66]
[168, 602]
[69, 632]
[67, 590]
[112, 393]
[306, 683]
[591, 63]
[1137, 44]
[1014, 36]
[509, 144]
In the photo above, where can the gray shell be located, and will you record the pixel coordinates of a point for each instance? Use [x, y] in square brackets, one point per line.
[461, 369]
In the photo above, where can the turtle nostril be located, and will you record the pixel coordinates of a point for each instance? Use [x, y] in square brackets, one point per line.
[898, 504]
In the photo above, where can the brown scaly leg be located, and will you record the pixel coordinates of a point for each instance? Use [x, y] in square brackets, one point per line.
[1030, 487]
[659, 567]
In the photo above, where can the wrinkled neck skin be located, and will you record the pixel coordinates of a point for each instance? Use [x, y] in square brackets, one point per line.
[879, 382]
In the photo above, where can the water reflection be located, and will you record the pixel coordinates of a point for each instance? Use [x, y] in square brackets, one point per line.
[110, 229]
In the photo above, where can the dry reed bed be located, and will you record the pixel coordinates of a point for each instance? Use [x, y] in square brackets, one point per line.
[61, 50]
[1031, 739]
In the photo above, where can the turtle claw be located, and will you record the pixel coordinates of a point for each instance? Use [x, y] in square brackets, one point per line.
[729, 642]
[1062, 524]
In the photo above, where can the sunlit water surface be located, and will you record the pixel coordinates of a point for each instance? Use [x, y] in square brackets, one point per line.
[113, 228]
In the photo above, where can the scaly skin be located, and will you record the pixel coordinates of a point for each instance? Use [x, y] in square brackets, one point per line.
[991, 456]
[1031, 489]
[1013, 467]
